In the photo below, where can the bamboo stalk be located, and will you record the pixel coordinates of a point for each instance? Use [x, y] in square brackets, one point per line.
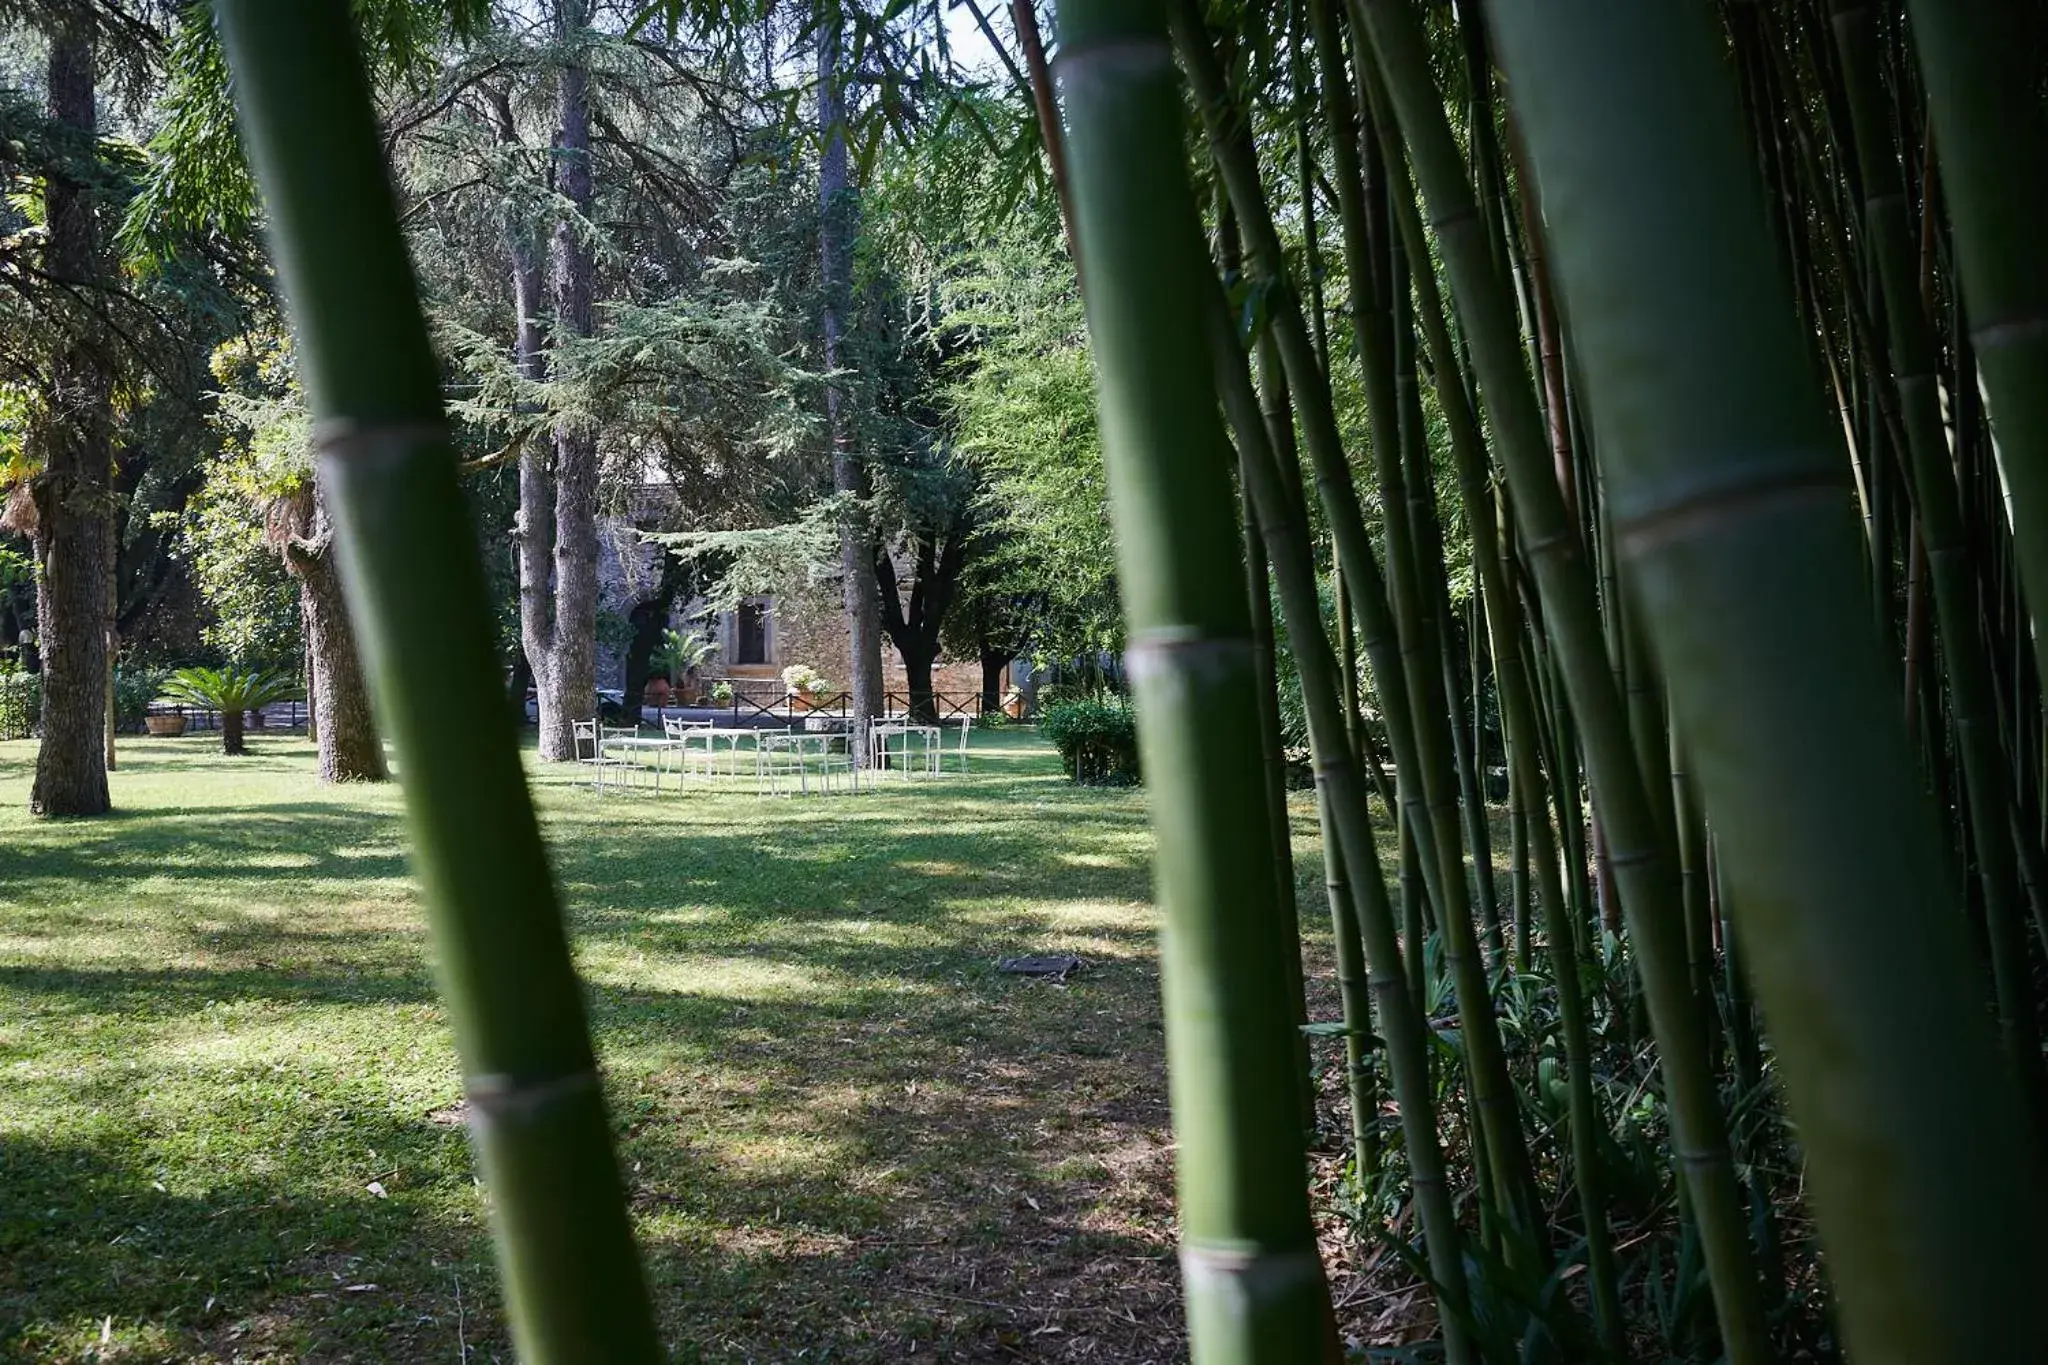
[1992, 137]
[1912, 353]
[1287, 922]
[1731, 502]
[1347, 832]
[1309, 383]
[1258, 586]
[1420, 664]
[572, 1279]
[1254, 1284]
[1520, 729]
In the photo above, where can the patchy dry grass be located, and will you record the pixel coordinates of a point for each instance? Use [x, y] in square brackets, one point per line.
[848, 1138]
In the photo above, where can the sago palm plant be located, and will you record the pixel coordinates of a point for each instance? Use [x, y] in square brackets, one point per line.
[233, 693]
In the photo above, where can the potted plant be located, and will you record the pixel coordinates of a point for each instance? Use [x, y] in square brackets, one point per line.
[165, 724]
[233, 694]
[1013, 703]
[679, 656]
[804, 684]
[721, 694]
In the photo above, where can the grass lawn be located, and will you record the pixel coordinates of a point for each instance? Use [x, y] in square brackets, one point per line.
[229, 1124]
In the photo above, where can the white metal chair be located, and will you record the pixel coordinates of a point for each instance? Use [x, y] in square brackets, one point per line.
[805, 759]
[588, 739]
[833, 757]
[880, 731]
[692, 756]
[966, 728]
[626, 767]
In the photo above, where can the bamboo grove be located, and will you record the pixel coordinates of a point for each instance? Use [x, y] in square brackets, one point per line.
[1718, 321]
[1635, 421]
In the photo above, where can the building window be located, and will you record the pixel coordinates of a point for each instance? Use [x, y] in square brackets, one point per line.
[750, 631]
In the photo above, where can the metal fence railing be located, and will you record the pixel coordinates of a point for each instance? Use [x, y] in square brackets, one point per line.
[279, 716]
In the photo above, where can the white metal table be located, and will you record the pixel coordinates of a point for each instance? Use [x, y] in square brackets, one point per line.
[710, 735]
[634, 746]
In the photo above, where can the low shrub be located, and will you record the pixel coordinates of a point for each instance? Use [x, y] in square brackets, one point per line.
[21, 702]
[1097, 740]
[134, 690]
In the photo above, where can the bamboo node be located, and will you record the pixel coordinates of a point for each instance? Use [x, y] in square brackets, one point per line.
[1157, 654]
[1715, 508]
[498, 1097]
[1635, 857]
[1261, 1271]
[348, 436]
[2016, 332]
[1123, 55]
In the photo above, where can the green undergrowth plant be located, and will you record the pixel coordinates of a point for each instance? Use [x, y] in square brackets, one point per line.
[21, 701]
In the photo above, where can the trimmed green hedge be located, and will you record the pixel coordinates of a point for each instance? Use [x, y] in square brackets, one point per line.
[1097, 740]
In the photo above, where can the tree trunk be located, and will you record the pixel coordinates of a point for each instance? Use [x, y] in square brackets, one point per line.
[918, 657]
[113, 623]
[993, 662]
[350, 748]
[337, 693]
[557, 527]
[568, 684]
[231, 733]
[535, 529]
[856, 539]
[71, 493]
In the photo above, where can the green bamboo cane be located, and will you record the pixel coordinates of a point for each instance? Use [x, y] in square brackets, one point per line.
[1730, 500]
[1308, 381]
[1520, 727]
[1552, 543]
[1354, 995]
[1258, 588]
[1421, 659]
[1991, 134]
[1347, 832]
[1518, 867]
[1419, 480]
[1276, 421]
[1287, 923]
[1254, 1283]
[572, 1280]
[1692, 874]
[1912, 347]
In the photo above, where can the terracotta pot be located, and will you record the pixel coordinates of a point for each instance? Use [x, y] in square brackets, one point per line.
[166, 726]
[1014, 708]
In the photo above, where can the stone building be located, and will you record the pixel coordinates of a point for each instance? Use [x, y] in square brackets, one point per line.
[764, 635]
